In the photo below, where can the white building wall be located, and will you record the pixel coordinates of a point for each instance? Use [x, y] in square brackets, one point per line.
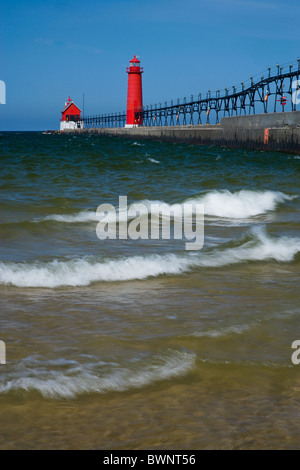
[71, 125]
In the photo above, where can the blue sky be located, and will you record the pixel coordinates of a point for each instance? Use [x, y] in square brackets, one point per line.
[50, 50]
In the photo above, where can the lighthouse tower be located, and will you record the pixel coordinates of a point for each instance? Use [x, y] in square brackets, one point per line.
[134, 93]
[71, 116]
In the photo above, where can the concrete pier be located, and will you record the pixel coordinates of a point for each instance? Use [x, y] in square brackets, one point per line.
[273, 131]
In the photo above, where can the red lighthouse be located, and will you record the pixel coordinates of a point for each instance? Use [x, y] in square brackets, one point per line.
[134, 93]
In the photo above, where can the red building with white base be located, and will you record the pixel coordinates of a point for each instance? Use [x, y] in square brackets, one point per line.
[71, 116]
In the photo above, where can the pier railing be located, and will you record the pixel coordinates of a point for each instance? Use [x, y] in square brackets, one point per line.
[105, 120]
[277, 89]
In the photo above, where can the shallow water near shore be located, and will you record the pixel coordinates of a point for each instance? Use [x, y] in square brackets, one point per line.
[141, 344]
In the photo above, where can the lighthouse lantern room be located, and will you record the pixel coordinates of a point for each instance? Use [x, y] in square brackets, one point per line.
[71, 116]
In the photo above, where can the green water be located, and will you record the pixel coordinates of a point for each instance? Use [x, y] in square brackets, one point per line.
[139, 344]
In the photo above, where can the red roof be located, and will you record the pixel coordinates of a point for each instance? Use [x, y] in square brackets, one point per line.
[68, 103]
[135, 60]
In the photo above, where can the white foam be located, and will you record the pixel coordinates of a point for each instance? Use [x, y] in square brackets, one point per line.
[84, 271]
[224, 331]
[152, 160]
[82, 216]
[260, 248]
[240, 204]
[225, 204]
[56, 384]
[94, 216]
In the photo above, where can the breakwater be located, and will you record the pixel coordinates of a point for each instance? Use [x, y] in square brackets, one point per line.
[270, 131]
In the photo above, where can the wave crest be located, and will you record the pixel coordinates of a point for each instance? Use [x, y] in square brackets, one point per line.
[84, 271]
[72, 382]
[241, 204]
[223, 203]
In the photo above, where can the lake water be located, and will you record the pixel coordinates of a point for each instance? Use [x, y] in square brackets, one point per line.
[142, 344]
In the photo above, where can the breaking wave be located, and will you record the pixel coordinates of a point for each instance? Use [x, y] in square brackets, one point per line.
[77, 379]
[241, 204]
[83, 271]
[223, 203]
[82, 216]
